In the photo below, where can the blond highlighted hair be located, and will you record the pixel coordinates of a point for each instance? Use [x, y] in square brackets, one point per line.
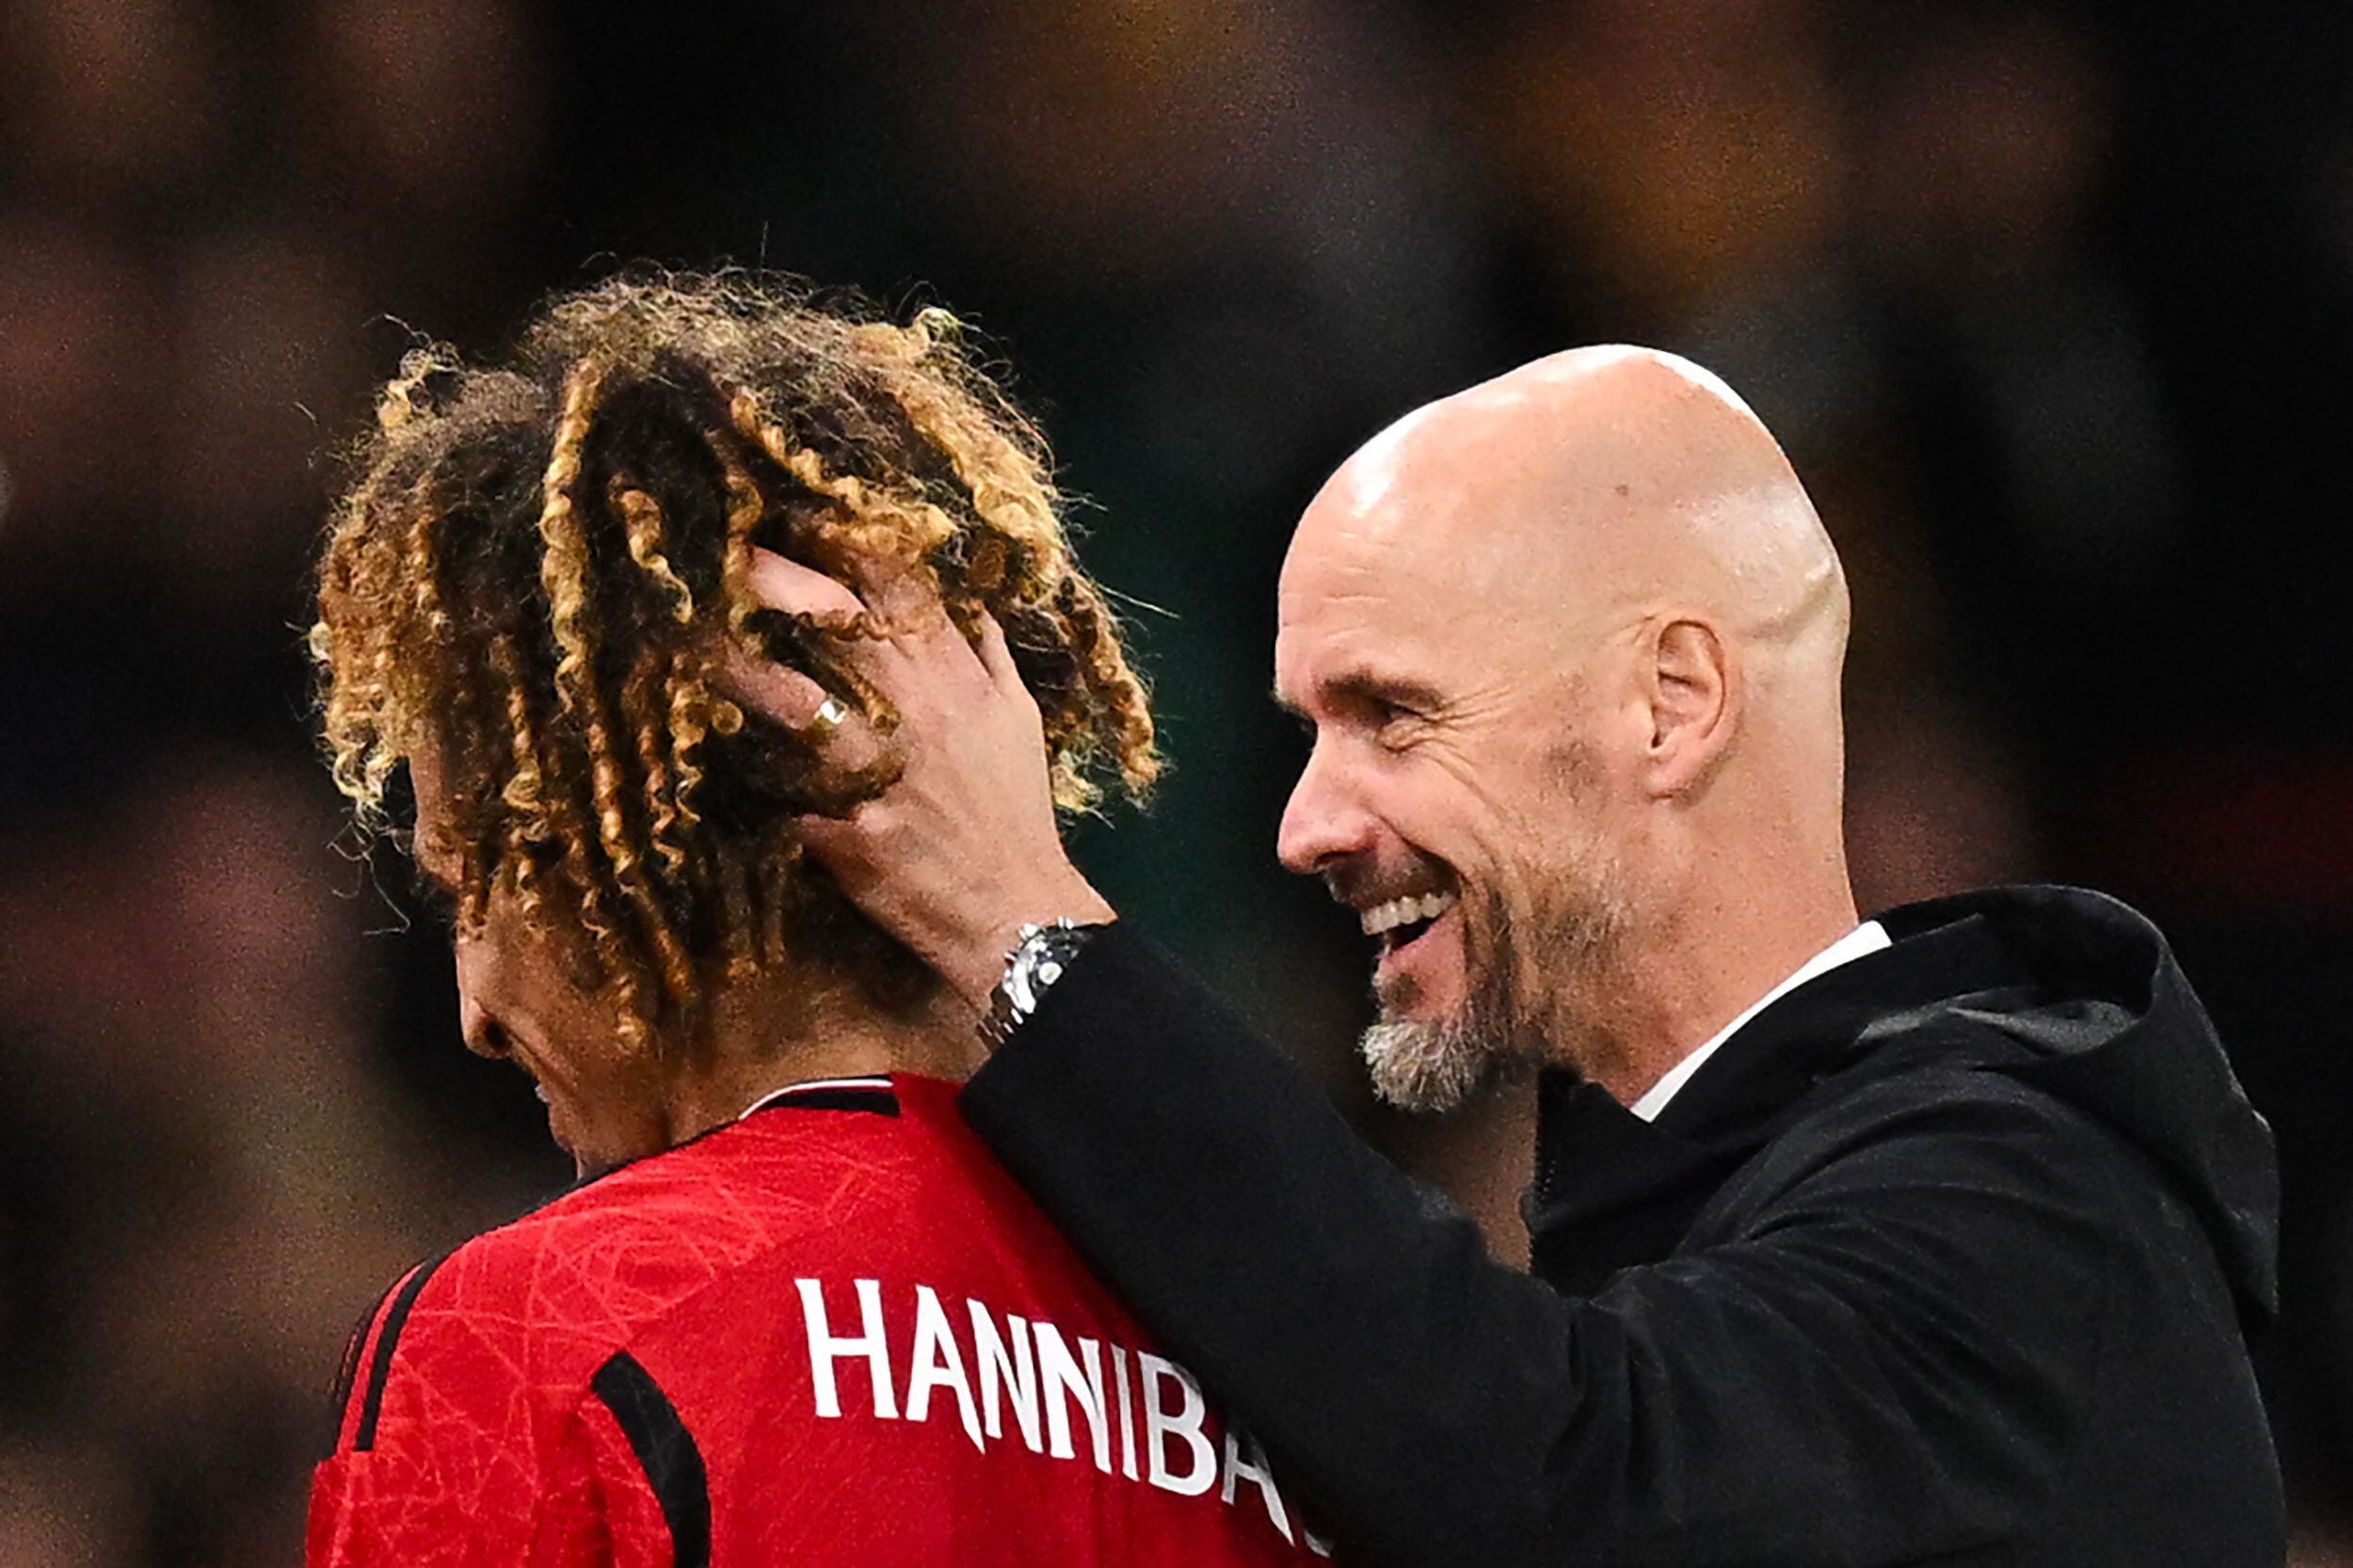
[537, 564]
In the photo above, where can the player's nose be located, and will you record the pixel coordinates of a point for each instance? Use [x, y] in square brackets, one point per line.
[483, 1034]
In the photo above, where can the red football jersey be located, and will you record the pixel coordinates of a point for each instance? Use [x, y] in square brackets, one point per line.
[833, 1332]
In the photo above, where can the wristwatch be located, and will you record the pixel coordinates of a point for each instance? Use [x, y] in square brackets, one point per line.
[1034, 964]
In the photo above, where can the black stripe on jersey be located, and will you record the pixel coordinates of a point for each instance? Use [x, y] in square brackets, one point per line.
[845, 1096]
[339, 1401]
[381, 1365]
[673, 1464]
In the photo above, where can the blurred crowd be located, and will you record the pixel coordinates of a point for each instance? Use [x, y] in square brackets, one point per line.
[2049, 303]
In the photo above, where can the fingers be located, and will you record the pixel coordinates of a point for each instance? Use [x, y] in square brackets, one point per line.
[838, 842]
[897, 598]
[787, 586]
[778, 692]
[786, 697]
[884, 585]
[902, 600]
[996, 658]
[922, 662]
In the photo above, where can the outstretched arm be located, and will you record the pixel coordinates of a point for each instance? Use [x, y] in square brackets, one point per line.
[1434, 1406]
[1885, 1361]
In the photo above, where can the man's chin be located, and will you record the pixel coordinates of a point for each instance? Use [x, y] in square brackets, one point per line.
[1420, 1065]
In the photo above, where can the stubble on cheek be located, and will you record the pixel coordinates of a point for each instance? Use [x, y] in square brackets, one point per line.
[1532, 987]
[1532, 980]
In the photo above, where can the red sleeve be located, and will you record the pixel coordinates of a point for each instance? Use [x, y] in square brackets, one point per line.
[451, 1453]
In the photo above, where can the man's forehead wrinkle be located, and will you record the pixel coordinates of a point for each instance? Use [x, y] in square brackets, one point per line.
[1343, 556]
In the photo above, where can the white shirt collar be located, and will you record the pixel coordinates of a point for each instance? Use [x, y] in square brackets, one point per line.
[1869, 937]
[777, 1094]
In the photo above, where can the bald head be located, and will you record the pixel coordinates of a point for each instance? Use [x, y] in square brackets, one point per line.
[1570, 642]
[1591, 485]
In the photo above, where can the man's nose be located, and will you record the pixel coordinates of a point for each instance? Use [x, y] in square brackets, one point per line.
[1323, 822]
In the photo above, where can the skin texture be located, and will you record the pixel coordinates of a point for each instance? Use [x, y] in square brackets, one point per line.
[521, 997]
[1569, 643]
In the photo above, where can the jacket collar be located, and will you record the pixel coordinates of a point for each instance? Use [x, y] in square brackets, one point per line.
[1613, 1189]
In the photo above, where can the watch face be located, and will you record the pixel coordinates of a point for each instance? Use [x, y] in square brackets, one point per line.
[1035, 965]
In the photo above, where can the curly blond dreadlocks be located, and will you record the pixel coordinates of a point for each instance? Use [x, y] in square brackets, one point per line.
[537, 564]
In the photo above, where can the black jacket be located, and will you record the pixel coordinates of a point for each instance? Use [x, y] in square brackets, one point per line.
[1944, 1257]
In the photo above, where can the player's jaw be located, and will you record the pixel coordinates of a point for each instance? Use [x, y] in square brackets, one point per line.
[489, 1034]
[516, 1005]
[599, 1134]
[600, 1124]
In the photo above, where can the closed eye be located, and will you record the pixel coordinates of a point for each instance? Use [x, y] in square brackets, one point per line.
[1390, 712]
[1396, 727]
[1384, 701]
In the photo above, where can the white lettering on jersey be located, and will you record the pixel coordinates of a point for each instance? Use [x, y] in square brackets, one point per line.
[1244, 1462]
[1160, 1424]
[824, 1348]
[1061, 1375]
[938, 1364]
[1000, 1372]
[1165, 1431]
[1127, 1414]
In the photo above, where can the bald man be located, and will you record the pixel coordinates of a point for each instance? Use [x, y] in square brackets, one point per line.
[1929, 1238]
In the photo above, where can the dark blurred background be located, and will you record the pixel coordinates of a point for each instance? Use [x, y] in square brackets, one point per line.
[2051, 304]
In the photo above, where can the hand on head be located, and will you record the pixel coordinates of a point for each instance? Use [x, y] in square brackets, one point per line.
[963, 848]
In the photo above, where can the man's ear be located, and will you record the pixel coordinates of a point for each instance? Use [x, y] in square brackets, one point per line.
[1694, 690]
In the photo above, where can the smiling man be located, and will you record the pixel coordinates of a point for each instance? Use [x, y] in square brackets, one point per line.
[1484, 799]
[1929, 1238]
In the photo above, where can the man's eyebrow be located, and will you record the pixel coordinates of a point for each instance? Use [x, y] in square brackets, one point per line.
[1365, 688]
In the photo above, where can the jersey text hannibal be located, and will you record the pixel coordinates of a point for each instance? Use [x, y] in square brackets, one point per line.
[834, 1331]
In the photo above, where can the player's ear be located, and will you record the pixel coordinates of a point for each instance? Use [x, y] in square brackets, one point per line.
[1692, 679]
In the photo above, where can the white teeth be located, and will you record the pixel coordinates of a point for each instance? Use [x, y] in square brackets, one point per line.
[1405, 911]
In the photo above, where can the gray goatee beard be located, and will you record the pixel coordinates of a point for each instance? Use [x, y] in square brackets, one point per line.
[1420, 1066]
[1517, 1016]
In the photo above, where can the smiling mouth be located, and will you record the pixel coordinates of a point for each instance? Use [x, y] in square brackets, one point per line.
[1399, 921]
